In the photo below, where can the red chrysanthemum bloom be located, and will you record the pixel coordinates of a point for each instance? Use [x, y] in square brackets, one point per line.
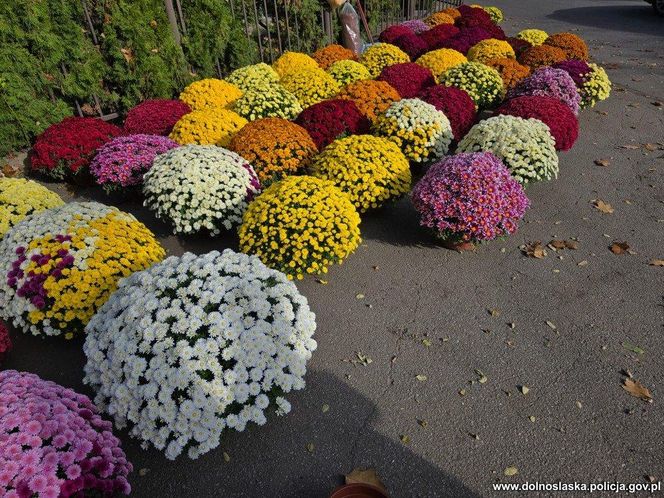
[412, 44]
[455, 103]
[434, 37]
[391, 33]
[472, 16]
[518, 45]
[331, 119]
[408, 78]
[67, 147]
[5, 341]
[552, 112]
[154, 117]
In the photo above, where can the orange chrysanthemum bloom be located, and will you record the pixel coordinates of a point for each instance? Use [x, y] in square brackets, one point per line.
[370, 96]
[510, 70]
[275, 148]
[452, 12]
[573, 45]
[542, 55]
[438, 18]
[327, 56]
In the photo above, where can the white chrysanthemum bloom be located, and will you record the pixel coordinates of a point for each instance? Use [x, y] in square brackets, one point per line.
[421, 131]
[524, 145]
[247, 343]
[200, 187]
[59, 220]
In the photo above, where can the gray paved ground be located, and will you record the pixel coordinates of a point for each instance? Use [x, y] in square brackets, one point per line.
[586, 428]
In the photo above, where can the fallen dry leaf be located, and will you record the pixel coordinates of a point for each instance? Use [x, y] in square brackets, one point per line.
[365, 476]
[657, 103]
[582, 263]
[524, 390]
[310, 447]
[602, 206]
[423, 423]
[421, 378]
[638, 390]
[494, 312]
[602, 162]
[511, 471]
[534, 250]
[651, 147]
[227, 457]
[128, 54]
[559, 245]
[405, 438]
[630, 146]
[619, 248]
[656, 262]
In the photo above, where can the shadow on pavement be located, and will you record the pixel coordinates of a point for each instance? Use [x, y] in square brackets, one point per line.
[635, 18]
[267, 461]
[396, 224]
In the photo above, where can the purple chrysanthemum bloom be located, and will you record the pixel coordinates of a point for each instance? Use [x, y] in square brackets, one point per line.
[549, 82]
[53, 443]
[123, 161]
[470, 197]
[575, 68]
[417, 26]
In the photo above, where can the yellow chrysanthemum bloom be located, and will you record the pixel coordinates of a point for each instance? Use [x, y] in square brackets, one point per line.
[438, 18]
[210, 93]
[483, 83]
[533, 36]
[311, 86]
[348, 71]
[490, 48]
[20, 197]
[596, 86]
[440, 61]
[380, 55]
[293, 62]
[371, 170]
[300, 225]
[268, 101]
[254, 76]
[207, 127]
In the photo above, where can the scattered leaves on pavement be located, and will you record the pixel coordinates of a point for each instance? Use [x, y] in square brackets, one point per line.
[511, 471]
[559, 245]
[633, 348]
[362, 359]
[365, 476]
[602, 206]
[602, 162]
[534, 249]
[638, 390]
[619, 248]
[482, 378]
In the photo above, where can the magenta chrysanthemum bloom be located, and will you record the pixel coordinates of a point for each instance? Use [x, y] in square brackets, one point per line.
[5, 341]
[469, 197]
[391, 33]
[466, 38]
[549, 82]
[154, 117]
[455, 103]
[412, 44]
[53, 443]
[552, 112]
[407, 78]
[435, 37]
[417, 26]
[577, 69]
[331, 119]
[123, 161]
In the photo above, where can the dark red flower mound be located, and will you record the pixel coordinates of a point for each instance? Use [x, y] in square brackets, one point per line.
[5, 341]
[455, 103]
[412, 44]
[577, 69]
[408, 78]
[466, 38]
[518, 45]
[552, 112]
[391, 33]
[331, 119]
[472, 16]
[434, 37]
[154, 117]
[65, 148]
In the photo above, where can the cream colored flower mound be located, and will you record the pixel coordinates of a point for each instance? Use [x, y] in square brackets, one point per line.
[197, 345]
[200, 187]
